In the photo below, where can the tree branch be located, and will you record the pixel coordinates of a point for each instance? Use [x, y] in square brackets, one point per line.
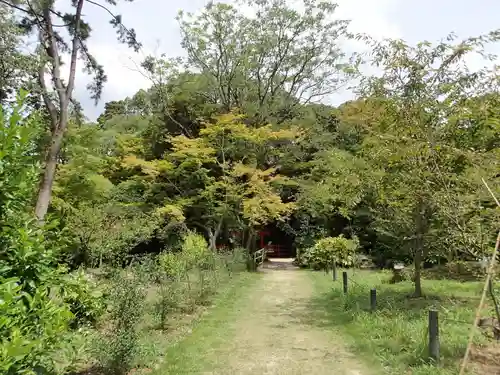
[51, 108]
[54, 56]
[74, 52]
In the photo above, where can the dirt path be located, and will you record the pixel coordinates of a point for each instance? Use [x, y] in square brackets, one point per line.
[272, 334]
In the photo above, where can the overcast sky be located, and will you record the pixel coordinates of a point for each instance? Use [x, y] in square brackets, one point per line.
[156, 27]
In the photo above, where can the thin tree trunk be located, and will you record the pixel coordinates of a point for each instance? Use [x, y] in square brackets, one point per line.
[250, 239]
[249, 247]
[212, 241]
[213, 235]
[421, 228]
[59, 116]
[45, 192]
[418, 268]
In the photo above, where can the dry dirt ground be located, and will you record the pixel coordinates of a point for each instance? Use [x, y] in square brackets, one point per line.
[274, 336]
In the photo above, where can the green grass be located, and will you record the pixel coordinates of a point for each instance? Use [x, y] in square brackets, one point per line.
[190, 353]
[396, 334]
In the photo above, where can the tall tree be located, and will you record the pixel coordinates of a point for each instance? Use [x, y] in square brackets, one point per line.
[46, 21]
[424, 88]
[224, 179]
[267, 71]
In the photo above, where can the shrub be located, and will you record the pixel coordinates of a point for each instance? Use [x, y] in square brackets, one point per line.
[31, 328]
[167, 273]
[120, 345]
[331, 249]
[235, 261]
[34, 318]
[85, 300]
[194, 249]
[172, 265]
[190, 277]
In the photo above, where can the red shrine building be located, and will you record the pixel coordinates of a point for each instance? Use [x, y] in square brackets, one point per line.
[277, 243]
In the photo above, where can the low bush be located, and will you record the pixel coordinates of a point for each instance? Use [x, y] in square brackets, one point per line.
[31, 328]
[190, 277]
[85, 299]
[330, 250]
[120, 342]
[34, 315]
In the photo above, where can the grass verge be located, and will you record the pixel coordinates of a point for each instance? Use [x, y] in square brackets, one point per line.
[190, 353]
[396, 334]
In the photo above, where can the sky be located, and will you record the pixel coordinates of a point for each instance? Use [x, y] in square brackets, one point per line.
[156, 28]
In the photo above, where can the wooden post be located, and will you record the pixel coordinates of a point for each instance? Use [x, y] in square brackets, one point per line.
[344, 279]
[433, 335]
[334, 271]
[373, 299]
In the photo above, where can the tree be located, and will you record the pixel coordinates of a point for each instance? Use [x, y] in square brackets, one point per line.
[38, 17]
[225, 178]
[424, 89]
[267, 71]
[34, 317]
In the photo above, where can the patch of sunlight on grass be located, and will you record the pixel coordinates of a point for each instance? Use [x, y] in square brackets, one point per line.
[396, 334]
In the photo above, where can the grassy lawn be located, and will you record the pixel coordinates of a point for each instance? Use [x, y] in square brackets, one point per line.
[396, 334]
[188, 353]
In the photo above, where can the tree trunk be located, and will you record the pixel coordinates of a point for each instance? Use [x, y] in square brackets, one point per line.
[212, 241]
[213, 235]
[421, 228]
[249, 247]
[45, 192]
[59, 116]
[417, 260]
[250, 240]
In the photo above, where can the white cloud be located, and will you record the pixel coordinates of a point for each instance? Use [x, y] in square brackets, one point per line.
[373, 17]
[122, 67]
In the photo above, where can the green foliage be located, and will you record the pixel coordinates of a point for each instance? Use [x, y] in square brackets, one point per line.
[34, 316]
[32, 328]
[120, 343]
[229, 140]
[84, 298]
[194, 250]
[190, 277]
[330, 250]
[406, 189]
[16, 66]
[344, 180]
[268, 71]
[171, 264]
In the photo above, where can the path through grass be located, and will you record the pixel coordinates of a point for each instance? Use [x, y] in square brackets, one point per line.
[264, 328]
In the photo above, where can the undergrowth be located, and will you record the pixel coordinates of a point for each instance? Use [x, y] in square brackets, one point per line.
[152, 304]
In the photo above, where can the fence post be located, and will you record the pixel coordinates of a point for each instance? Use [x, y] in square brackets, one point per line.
[373, 299]
[433, 335]
[344, 279]
[334, 271]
